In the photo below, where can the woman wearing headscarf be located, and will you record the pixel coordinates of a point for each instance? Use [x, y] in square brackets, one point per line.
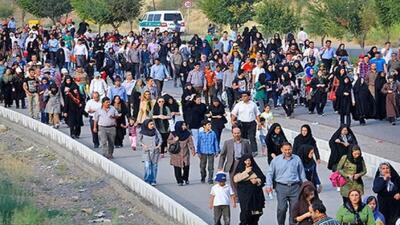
[73, 109]
[306, 154]
[288, 87]
[250, 180]
[183, 73]
[372, 202]
[387, 186]
[149, 140]
[161, 114]
[121, 108]
[181, 160]
[371, 53]
[307, 195]
[135, 99]
[352, 168]
[340, 144]
[305, 138]
[354, 211]
[188, 94]
[218, 117]
[346, 101]
[319, 88]
[364, 101]
[380, 97]
[338, 82]
[173, 106]
[392, 89]
[274, 139]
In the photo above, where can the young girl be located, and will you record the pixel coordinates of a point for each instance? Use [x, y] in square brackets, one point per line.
[132, 130]
[263, 135]
[268, 116]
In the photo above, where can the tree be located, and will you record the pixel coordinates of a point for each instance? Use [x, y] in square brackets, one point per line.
[6, 11]
[276, 16]
[110, 12]
[228, 12]
[387, 11]
[52, 9]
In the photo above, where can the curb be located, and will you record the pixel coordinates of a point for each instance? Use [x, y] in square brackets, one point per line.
[146, 191]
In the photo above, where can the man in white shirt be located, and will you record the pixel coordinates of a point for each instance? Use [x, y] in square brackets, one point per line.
[257, 71]
[225, 42]
[81, 53]
[312, 51]
[246, 116]
[91, 107]
[98, 85]
[302, 36]
[387, 52]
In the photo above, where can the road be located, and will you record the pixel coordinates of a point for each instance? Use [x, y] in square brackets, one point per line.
[195, 196]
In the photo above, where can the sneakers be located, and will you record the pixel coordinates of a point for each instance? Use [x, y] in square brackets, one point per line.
[180, 184]
[210, 181]
[186, 182]
[153, 184]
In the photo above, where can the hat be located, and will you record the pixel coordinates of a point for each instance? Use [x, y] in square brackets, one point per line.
[220, 177]
[96, 74]
[63, 70]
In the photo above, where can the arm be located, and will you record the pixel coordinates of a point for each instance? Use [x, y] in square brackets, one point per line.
[340, 214]
[222, 157]
[340, 166]
[379, 184]
[241, 176]
[370, 216]
[364, 171]
[300, 169]
[216, 145]
[211, 201]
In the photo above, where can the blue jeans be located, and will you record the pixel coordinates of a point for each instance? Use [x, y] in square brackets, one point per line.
[150, 172]
[44, 117]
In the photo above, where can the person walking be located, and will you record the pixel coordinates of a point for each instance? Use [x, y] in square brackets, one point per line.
[387, 186]
[392, 89]
[352, 168]
[218, 117]
[306, 154]
[30, 87]
[340, 144]
[159, 73]
[91, 107]
[221, 196]
[306, 138]
[287, 172]
[73, 111]
[246, 116]
[231, 153]
[161, 114]
[120, 125]
[104, 124]
[249, 180]
[181, 160]
[207, 149]
[355, 211]
[149, 140]
[318, 214]
[307, 195]
[53, 106]
[274, 139]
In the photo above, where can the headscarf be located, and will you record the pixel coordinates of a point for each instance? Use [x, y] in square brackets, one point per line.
[357, 161]
[303, 153]
[305, 139]
[338, 134]
[145, 130]
[394, 177]
[174, 107]
[179, 132]
[271, 132]
[308, 72]
[377, 215]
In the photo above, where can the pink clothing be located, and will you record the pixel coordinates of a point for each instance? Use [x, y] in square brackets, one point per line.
[133, 142]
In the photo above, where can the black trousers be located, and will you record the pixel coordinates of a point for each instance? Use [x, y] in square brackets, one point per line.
[181, 174]
[231, 98]
[75, 130]
[248, 130]
[119, 136]
[345, 119]
[164, 137]
[95, 136]
[328, 64]
[246, 218]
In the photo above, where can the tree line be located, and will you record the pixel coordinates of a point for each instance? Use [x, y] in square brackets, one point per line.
[339, 18]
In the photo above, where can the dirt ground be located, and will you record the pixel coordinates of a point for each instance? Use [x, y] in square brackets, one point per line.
[76, 192]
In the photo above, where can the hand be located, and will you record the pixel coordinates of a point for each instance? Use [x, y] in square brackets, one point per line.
[211, 206]
[273, 155]
[94, 130]
[318, 161]
[397, 196]
[307, 214]
[356, 176]
[346, 144]
[386, 177]
[204, 89]
[337, 141]
[176, 139]
[254, 181]
[268, 190]
[319, 189]
[234, 204]
[65, 114]
[248, 169]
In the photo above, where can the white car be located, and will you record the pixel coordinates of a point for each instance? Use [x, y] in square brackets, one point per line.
[165, 20]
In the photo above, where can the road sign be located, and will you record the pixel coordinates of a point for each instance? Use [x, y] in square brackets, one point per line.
[188, 4]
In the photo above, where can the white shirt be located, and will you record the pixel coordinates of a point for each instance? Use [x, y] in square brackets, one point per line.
[221, 194]
[81, 50]
[246, 112]
[128, 86]
[98, 85]
[92, 105]
[256, 72]
[302, 36]
[67, 54]
[386, 54]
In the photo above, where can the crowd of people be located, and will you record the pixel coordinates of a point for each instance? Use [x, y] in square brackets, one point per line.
[63, 74]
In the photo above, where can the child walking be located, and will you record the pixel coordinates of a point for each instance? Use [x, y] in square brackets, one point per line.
[220, 197]
[132, 130]
[263, 131]
[207, 149]
[268, 116]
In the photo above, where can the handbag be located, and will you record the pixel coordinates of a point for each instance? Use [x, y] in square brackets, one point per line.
[337, 179]
[174, 148]
[332, 95]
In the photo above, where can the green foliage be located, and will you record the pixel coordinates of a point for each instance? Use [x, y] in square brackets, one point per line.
[276, 16]
[52, 9]
[6, 11]
[28, 215]
[107, 11]
[11, 200]
[228, 12]
[387, 13]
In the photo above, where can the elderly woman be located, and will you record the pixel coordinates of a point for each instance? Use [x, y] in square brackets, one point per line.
[387, 186]
[181, 160]
[352, 168]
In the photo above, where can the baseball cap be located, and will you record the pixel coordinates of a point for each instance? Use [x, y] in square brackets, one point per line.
[220, 177]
